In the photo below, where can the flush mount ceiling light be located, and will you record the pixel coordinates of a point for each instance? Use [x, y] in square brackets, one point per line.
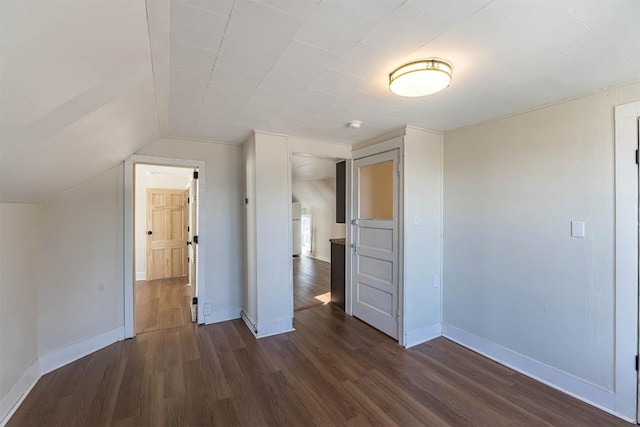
[420, 78]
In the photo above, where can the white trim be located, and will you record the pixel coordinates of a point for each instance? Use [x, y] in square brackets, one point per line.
[248, 320]
[223, 315]
[274, 327]
[422, 334]
[553, 377]
[141, 275]
[129, 273]
[58, 358]
[626, 259]
[20, 390]
[380, 147]
[50, 362]
[348, 303]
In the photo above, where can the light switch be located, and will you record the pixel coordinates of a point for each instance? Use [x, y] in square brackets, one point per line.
[577, 229]
[435, 281]
[416, 220]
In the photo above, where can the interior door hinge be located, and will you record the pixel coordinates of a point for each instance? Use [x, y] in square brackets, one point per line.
[637, 158]
[195, 174]
[195, 239]
[636, 362]
[194, 301]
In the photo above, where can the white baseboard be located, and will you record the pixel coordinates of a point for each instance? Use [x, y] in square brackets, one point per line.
[553, 377]
[274, 327]
[10, 403]
[423, 334]
[141, 275]
[223, 315]
[49, 362]
[66, 355]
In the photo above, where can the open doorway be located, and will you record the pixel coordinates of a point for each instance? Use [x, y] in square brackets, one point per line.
[165, 227]
[314, 230]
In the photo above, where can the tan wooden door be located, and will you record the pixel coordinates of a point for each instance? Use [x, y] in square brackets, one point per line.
[166, 233]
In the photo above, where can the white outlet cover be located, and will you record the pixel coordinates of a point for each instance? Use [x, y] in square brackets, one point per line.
[577, 229]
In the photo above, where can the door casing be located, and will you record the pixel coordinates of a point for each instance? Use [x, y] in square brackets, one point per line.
[128, 261]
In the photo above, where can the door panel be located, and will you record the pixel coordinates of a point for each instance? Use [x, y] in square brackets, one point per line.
[193, 249]
[375, 252]
[167, 222]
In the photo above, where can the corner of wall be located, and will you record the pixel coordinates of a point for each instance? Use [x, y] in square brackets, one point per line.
[422, 334]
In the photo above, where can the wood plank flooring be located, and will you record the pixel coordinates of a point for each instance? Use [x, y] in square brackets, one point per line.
[162, 304]
[333, 370]
[311, 282]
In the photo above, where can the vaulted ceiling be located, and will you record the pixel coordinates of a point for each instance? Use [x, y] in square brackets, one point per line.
[87, 83]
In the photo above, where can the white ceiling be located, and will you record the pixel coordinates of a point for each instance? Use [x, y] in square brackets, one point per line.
[87, 83]
[307, 67]
[307, 168]
[164, 176]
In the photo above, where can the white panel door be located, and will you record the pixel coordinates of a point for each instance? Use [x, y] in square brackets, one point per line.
[375, 247]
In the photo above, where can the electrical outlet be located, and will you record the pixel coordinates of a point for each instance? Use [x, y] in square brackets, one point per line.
[207, 309]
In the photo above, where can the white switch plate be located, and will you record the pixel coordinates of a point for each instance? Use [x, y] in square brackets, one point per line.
[207, 309]
[577, 229]
[435, 281]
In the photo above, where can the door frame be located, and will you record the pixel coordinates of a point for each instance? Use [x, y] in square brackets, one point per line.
[129, 236]
[626, 260]
[391, 144]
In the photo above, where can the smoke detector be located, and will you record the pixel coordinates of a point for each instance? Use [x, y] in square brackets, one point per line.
[354, 124]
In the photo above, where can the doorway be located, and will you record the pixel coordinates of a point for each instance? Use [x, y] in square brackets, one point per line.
[313, 198]
[165, 254]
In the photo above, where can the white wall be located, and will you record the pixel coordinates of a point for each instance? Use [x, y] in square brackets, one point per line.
[80, 268]
[250, 294]
[514, 277]
[221, 232]
[271, 172]
[318, 196]
[324, 228]
[143, 181]
[422, 241]
[18, 298]
[273, 213]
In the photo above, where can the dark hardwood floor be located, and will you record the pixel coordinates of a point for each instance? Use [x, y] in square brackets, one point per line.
[333, 370]
[162, 304]
[311, 282]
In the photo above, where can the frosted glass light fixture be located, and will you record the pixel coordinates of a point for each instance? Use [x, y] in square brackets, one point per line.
[420, 78]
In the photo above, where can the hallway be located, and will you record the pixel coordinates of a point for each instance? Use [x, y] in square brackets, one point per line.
[162, 304]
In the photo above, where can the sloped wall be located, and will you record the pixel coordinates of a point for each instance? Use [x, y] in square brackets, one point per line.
[18, 326]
